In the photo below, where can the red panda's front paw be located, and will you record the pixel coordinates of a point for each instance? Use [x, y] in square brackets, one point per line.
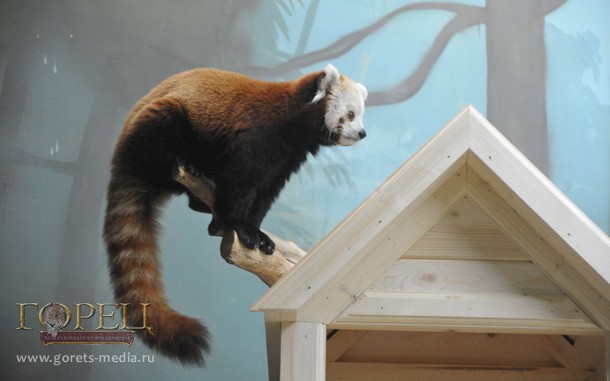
[253, 238]
[248, 237]
[267, 245]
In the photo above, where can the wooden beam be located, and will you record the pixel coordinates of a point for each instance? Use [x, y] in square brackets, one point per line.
[564, 352]
[303, 351]
[543, 314]
[431, 276]
[339, 371]
[499, 295]
[269, 268]
[341, 341]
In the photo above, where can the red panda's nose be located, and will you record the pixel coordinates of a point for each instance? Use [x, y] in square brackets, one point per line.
[362, 134]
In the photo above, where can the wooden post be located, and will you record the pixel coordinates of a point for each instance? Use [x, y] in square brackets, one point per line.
[603, 370]
[273, 333]
[269, 268]
[303, 351]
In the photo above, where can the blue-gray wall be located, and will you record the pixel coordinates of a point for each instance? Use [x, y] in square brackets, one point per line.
[70, 70]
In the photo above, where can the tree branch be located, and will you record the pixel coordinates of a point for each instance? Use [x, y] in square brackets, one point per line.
[269, 268]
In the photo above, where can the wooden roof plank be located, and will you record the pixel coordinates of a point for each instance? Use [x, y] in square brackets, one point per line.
[573, 274]
[576, 235]
[466, 232]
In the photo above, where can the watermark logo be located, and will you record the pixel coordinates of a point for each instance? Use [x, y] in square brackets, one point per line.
[55, 317]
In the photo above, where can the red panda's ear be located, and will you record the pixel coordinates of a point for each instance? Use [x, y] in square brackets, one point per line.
[363, 91]
[330, 78]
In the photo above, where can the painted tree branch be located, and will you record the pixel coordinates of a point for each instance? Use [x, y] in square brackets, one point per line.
[465, 17]
[269, 268]
[409, 87]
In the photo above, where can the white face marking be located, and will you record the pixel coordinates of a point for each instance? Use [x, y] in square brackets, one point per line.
[345, 111]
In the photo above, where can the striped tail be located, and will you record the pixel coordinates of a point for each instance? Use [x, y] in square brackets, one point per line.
[130, 232]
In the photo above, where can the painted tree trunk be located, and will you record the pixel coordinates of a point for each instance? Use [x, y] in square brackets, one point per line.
[517, 68]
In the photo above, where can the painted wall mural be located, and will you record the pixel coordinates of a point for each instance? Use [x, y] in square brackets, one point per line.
[516, 88]
[71, 70]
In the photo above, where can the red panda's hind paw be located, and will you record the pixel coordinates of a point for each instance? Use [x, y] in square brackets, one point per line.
[189, 167]
[216, 229]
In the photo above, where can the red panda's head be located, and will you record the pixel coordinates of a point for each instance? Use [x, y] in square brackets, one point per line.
[344, 106]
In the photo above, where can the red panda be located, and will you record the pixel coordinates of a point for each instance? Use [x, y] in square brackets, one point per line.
[245, 134]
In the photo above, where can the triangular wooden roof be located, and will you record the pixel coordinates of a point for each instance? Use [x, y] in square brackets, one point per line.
[468, 181]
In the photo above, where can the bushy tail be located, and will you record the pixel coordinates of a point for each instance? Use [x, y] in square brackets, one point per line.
[130, 232]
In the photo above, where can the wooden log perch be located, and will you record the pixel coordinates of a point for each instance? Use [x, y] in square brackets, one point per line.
[269, 268]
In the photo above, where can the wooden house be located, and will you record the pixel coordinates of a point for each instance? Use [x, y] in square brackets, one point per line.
[466, 264]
